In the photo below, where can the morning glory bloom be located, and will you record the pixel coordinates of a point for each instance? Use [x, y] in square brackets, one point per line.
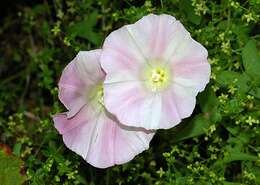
[154, 70]
[87, 128]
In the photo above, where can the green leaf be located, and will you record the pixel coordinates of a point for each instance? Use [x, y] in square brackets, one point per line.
[207, 99]
[10, 167]
[209, 104]
[255, 92]
[234, 105]
[251, 60]
[243, 83]
[235, 155]
[195, 127]
[17, 149]
[227, 78]
[85, 29]
[242, 31]
[233, 130]
[186, 6]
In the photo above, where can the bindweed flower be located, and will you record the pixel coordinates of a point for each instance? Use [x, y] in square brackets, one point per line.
[154, 72]
[87, 128]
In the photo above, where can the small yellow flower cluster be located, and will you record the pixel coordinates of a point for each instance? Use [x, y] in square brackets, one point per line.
[198, 31]
[196, 168]
[209, 132]
[221, 36]
[71, 175]
[232, 89]
[26, 151]
[11, 123]
[223, 98]
[234, 4]
[66, 41]
[23, 139]
[60, 14]
[212, 129]
[148, 6]
[213, 76]
[251, 121]
[200, 7]
[204, 174]
[213, 152]
[249, 176]
[56, 29]
[115, 16]
[215, 88]
[160, 172]
[213, 61]
[47, 166]
[237, 65]
[250, 17]
[226, 47]
[166, 154]
[248, 119]
[250, 102]
[71, 7]
[223, 39]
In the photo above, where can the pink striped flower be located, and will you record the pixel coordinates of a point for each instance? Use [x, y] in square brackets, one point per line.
[87, 128]
[154, 72]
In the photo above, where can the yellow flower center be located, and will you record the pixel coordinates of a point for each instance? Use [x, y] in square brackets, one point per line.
[158, 75]
[100, 95]
[157, 78]
[96, 95]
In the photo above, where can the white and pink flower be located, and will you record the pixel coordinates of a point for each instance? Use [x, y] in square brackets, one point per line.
[154, 70]
[87, 128]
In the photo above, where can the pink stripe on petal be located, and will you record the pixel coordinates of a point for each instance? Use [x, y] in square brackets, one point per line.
[190, 49]
[120, 51]
[88, 67]
[101, 152]
[102, 141]
[124, 98]
[171, 116]
[137, 141]
[132, 105]
[184, 99]
[114, 144]
[64, 124]
[192, 74]
[78, 78]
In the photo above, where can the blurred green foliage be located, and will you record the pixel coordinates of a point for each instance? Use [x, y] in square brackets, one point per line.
[219, 144]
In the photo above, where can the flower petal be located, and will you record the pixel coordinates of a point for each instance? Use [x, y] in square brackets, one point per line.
[132, 105]
[177, 103]
[184, 99]
[150, 39]
[65, 124]
[136, 139]
[189, 49]
[191, 68]
[77, 77]
[153, 34]
[116, 144]
[154, 41]
[121, 52]
[100, 140]
[170, 113]
[71, 88]
[191, 74]
[88, 66]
